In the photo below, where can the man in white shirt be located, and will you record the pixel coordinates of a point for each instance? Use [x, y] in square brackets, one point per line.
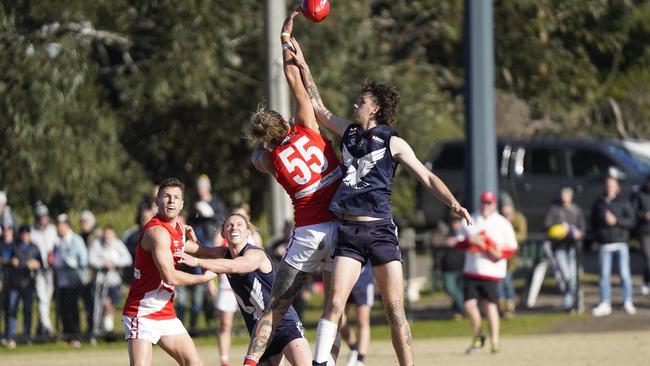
[489, 244]
[45, 237]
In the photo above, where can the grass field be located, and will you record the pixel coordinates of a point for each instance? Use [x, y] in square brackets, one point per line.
[621, 348]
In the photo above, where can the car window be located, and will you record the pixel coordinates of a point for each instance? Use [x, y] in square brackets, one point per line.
[452, 157]
[590, 163]
[542, 161]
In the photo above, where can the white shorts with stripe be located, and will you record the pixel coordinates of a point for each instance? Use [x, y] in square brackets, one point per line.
[312, 245]
[144, 328]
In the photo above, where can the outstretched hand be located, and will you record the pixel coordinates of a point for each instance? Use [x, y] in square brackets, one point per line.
[462, 212]
[298, 56]
[287, 26]
[187, 259]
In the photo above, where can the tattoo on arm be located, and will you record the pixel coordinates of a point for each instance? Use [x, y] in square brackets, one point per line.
[312, 90]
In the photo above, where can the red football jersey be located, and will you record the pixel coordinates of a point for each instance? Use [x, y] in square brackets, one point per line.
[149, 296]
[308, 169]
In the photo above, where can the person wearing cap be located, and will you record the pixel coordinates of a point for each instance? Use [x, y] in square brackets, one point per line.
[43, 234]
[70, 261]
[612, 218]
[23, 266]
[566, 213]
[641, 205]
[489, 243]
[506, 288]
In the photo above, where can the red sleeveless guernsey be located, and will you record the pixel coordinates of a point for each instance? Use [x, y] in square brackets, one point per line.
[309, 171]
[149, 296]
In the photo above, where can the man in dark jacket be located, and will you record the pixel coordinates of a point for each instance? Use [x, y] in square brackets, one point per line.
[612, 218]
[641, 205]
[566, 213]
[25, 261]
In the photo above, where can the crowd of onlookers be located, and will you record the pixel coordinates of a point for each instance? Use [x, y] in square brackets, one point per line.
[614, 220]
[47, 262]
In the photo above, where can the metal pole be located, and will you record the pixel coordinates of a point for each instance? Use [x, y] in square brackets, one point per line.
[278, 100]
[480, 159]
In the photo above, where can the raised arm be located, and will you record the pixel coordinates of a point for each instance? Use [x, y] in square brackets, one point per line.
[156, 240]
[403, 153]
[304, 111]
[332, 123]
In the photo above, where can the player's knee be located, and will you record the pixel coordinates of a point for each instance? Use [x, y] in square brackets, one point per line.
[336, 306]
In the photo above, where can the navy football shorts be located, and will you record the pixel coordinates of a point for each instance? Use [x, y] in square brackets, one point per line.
[363, 240]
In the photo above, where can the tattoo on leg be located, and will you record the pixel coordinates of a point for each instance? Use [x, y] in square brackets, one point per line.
[287, 285]
[263, 334]
[397, 317]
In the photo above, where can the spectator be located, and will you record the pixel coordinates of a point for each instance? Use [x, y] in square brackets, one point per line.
[489, 244]
[6, 250]
[207, 213]
[89, 232]
[24, 264]
[70, 261]
[451, 266]
[641, 205]
[44, 235]
[132, 235]
[567, 214]
[107, 254]
[506, 288]
[612, 218]
[7, 217]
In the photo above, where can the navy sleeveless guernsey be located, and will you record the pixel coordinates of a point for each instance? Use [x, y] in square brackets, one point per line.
[366, 186]
[253, 293]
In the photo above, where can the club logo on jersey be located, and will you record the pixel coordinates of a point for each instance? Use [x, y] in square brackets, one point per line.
[256, 300]
[354, 174]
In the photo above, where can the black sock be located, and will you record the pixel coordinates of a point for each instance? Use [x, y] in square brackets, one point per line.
[353, 347]
[361, 357]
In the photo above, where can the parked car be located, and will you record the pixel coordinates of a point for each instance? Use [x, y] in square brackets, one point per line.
[533, 171]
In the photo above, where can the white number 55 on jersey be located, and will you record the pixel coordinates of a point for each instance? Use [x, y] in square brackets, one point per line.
[300, 162]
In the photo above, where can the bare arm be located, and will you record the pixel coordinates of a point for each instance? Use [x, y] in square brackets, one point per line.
[156, 240]
[249, 262]
[304, 111]
[403, 153]
[332, 123]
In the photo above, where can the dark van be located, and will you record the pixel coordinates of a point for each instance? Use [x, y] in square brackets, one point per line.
[533, 171]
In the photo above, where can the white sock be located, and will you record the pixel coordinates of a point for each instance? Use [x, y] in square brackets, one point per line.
[334, 352]
[325, 336]
[108, 323]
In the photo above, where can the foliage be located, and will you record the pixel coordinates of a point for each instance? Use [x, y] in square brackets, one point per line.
[100, 99]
